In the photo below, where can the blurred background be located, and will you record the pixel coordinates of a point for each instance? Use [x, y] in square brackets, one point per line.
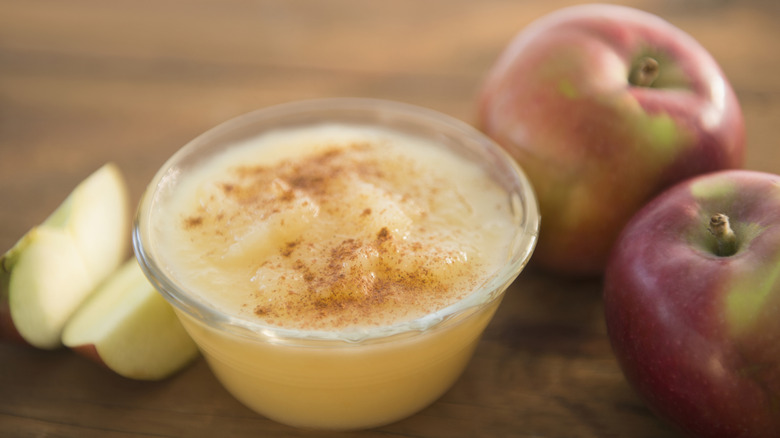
[83, 82]
[86, 81]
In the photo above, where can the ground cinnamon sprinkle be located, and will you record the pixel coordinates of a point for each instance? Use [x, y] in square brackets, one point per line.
[332, 240]
[192, 222]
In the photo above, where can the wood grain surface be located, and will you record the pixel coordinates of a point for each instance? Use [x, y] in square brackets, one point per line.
[83, 82]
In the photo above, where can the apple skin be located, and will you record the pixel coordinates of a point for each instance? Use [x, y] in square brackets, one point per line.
[595, 145]
[695, 333]
[8, 331]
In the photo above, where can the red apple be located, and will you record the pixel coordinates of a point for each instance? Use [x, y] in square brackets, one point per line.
[693, 316]
[604, 106]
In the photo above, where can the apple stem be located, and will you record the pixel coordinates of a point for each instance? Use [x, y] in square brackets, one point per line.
[726, 239]
[644, 72]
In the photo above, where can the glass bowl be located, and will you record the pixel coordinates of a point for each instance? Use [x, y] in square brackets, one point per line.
[347, 378]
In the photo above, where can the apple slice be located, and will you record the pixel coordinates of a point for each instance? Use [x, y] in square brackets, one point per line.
[54, 267]
[130, 328]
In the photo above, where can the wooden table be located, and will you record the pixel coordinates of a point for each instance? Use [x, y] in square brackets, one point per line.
[84, 82]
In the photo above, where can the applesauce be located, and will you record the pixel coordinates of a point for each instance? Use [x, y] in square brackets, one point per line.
[337, 261]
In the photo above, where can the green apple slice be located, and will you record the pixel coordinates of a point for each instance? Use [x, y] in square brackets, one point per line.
[97, 215]
[56, 265]
[130, 328]
[47, 282]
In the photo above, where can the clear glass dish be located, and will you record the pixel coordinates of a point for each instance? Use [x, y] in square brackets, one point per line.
[341, 379]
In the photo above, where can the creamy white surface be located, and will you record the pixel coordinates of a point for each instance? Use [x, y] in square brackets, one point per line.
[334, 226]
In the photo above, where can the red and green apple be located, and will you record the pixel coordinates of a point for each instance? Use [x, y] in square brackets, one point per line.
[604, 106]
[692, 304]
